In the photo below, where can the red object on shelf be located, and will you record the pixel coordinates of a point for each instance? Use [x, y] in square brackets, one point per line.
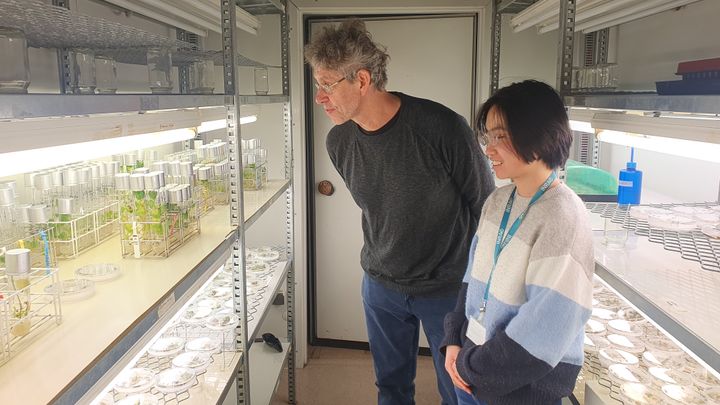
[695, 66]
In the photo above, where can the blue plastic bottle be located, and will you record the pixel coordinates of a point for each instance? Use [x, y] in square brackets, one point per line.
[630, 182]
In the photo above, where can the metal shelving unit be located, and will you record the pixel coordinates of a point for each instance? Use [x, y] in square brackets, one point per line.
[56, 26]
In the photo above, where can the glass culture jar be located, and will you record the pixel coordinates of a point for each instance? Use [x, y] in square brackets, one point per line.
[83, 80]
[202, 77]
[106, 74]
[14, 64]
[159, 63]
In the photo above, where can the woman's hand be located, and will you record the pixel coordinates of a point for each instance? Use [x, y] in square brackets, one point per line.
[451, 353]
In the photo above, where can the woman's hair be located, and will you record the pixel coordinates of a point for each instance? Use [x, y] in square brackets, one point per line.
[348, 48]
[535, 116]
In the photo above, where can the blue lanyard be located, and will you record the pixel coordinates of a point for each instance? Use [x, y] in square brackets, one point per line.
[503, 239]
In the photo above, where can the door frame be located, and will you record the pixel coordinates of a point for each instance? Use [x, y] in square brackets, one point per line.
[478, 15]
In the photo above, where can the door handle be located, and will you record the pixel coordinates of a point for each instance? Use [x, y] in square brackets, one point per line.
[326, 188]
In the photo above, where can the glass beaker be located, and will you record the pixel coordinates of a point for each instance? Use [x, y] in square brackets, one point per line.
[106, 73]
[261, 81]
[614, 235]
[14, 65]
[159, 62]
[82, 68]
[202, 77]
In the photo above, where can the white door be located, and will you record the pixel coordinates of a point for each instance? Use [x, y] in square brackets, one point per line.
[430, 57]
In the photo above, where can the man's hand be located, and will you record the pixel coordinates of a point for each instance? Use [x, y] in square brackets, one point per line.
[451, 353]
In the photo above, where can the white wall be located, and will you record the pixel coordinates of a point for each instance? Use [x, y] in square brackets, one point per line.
[525, 55]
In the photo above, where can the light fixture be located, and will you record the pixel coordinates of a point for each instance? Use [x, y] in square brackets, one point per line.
[25, 161]
[214, 125]
[686, 127]
[197, 16]
[588, 13]
[678, 147]
[580, 119]
[581, 126]
[629, 14]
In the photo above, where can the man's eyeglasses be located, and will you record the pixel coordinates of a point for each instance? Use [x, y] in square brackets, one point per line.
[486, 138]
[328, 88]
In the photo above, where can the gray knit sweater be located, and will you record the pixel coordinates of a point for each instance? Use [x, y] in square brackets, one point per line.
[420, 181]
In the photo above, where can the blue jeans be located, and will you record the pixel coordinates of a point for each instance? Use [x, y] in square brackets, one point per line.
[466, 399]
[393, 324]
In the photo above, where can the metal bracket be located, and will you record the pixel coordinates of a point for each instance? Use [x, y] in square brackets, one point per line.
[565, 56]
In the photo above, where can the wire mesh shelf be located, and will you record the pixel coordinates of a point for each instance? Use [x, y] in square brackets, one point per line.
[692, 245]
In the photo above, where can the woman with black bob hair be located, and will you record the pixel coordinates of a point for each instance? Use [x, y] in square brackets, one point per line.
[516, 334]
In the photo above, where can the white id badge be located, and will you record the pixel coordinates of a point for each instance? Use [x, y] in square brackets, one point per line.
[476, 330]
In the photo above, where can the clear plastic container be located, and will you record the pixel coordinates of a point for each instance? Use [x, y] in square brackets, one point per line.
[220, 292]
[669, 376]
[202, 77]
[593, 343]
[175, 380]
[704, 379]
[196, 315]
[594, 327]
[75, 289]
[210, 303]
[712, 231]
[640, 394]
[627, 343]
[99, 272]
[139, 399]
[222, 321]
[631, 315]
[159, 63]
[685, 395]
[196, 361]
[167, 346]
[642, 211]
[603, 314]
[134, 380]
[622, 373]
[671, 222]
[658, 358]
[612, 356]
[83, 78]
[204, 344]
[624, 327]
[256, 266]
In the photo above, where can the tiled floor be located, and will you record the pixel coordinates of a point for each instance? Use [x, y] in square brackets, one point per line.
[343, 376]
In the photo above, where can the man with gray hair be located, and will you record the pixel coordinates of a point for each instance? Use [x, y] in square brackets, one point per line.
[415, 169]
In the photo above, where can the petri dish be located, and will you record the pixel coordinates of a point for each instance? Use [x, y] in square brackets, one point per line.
[669, 376]
[683, 210]
[627, 343]
[594, 343]
[713, 395]
[640, 394]
[211, 303]
[204, 344]
[134, 380]
[256, 266]
[642, 212]
[98, 272]
[612, 356]
[220, 292]
[662, 344]
[195, 315]
[712, 231]
[139, 399]
[624, 327]
[196, 361]
[672, 222]
[704, 379]
[608, 300]
[708, 219]
[166, 346]
[222, 321]
[687, 395]
[658, 358]
[631, 315]
[594, 327]
[622, 373]
[603, 314]
[175, 379]
[74, 289]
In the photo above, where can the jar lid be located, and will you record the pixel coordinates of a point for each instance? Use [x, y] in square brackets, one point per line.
[204, 344]
[196, 361]
[627, 343]
[223, 321]
[17, 262]
[603, 314]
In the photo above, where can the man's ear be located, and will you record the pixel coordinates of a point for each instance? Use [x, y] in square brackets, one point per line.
[364, 78]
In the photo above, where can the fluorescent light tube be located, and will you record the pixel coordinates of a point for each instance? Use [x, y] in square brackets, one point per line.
[158, 16]
[629, 14]
[677, 147]
[587, 13]
[581, 126]
[42, 158]
[700, 129]
[214, 125]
